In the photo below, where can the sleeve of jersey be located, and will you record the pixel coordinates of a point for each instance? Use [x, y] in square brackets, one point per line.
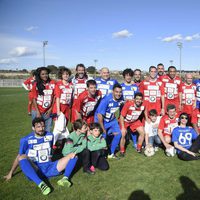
[161, 124]
[57, 91]
[27, 81]
[102, 106]
[175, 135]
[124, 109]
[23, 146]
[194, 134]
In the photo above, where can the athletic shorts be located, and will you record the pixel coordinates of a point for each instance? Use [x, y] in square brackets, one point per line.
[166, 134]
[134, 125]
[49, 169]
[112, 127]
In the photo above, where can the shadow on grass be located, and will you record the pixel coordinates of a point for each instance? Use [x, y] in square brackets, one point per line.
[139, 195]
[191, 191]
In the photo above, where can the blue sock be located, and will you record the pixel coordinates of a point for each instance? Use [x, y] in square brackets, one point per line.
[115, 142]
[134, 138]
[29, 171]
[70, 166]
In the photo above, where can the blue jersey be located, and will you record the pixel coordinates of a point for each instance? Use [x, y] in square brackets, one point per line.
[197, 83]
[129, 91]
[184, 136]
[38, 149]
[105, 86]
[107, 107]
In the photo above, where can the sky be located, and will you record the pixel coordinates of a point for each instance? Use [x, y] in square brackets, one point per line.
[117, 34]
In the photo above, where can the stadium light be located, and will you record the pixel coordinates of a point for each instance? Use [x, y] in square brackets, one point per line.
[180, 46]
[44, 44]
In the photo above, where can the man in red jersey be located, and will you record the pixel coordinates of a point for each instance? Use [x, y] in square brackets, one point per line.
[129, 118]
[167, 123]
[188, 95]
[79, 82]
[161, 71]
[137, 77]
[172, 88]
[153, 92]
[196, 120]
[28, 85]
[87, 102]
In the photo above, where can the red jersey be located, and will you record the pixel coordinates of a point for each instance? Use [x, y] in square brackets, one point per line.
[130, 112]
[172, 90]
[152, 91]
[167, 124]
[188, 97]
[79, 86]
[86, 105]
[44, 102]
[29, 83]
[196, 118]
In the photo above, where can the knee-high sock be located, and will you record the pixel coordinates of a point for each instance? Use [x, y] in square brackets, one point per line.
[70, 166]
[134, 138]
[115, 142]
[29, 171]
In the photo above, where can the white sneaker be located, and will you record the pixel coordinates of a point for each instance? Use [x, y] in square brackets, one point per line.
[156, 148]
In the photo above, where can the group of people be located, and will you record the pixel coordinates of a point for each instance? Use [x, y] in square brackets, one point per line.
[159, 111]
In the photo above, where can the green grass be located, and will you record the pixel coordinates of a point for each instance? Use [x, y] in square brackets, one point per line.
[133, 177]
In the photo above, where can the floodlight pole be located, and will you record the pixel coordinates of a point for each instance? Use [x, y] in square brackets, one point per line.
[180, 46]
[44, 44]
[95, 64]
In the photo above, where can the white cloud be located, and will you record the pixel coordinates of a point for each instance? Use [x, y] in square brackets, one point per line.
[31, 28]
[172, 38]
[8, 61]
[22, 51]
[179, 37]
[122, 34]
[192, 37]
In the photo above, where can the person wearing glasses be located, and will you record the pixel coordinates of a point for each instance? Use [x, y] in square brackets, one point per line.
[186, 140]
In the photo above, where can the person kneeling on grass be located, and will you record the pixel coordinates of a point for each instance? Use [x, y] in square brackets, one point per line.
[182, 137]
[35, 158]
[77, 143]
[97, 146]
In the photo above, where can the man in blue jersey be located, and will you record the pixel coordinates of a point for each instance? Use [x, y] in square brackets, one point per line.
[197, 83]
[128, 88]
[105, 115]
[35, 158]
[105, 83]
[186, 140]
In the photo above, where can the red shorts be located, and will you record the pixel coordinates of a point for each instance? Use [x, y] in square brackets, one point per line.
[30, 96]
[134, 125]
[167, 134]
[65, 109]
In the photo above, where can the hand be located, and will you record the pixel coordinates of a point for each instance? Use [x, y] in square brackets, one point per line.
[8, 177]
[191, 153]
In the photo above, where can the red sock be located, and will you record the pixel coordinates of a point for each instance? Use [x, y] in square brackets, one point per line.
[139, 146]
[122, 149]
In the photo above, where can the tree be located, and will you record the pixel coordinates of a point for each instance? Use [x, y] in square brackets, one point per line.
[91, 69]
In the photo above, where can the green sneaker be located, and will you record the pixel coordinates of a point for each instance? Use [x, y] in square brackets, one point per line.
[44, 188]
[64, 182]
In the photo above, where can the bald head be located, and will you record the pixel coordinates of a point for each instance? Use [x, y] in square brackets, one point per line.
[105, 73]
[188, 78]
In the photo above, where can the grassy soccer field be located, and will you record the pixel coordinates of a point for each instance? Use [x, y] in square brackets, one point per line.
[133, 177]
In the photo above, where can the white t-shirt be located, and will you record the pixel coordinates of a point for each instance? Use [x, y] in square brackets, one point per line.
[152, 128]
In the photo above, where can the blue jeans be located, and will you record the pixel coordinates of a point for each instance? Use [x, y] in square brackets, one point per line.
[48, 120]
[154, 139]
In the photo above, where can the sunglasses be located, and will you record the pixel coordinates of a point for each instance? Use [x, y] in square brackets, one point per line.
[184, 117]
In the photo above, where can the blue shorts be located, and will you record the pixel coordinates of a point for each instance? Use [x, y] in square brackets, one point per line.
[49, 169]
[112, 127]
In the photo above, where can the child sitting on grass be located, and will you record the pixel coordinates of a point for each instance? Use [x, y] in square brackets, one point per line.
[151, 130]
[77, 143]
[97, 146]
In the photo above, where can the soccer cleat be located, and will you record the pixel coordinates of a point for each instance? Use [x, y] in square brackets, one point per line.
[64, 182]
[113, 156]
[122, 154]
[88, 171]
[44, 188]
[139, 150]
